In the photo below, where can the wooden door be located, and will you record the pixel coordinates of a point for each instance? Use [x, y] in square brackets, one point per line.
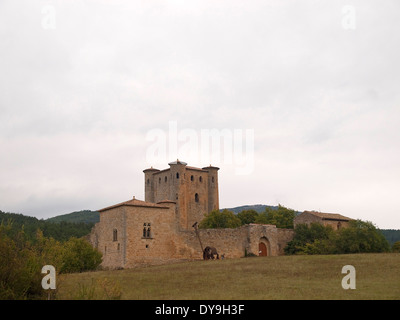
[262, 249]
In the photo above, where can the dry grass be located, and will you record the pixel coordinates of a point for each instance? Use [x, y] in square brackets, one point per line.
[284, 277]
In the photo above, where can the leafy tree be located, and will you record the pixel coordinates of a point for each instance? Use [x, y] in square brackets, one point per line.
[22, 259]
[247, 216]
[282, 217]
[396, 246]
[310, 239]
[20, 267]
[220, 219]
[359, 236]
[80, 256]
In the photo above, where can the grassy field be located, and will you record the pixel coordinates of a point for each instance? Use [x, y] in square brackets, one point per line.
[283, 277]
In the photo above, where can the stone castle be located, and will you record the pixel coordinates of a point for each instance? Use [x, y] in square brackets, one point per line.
[160, 229]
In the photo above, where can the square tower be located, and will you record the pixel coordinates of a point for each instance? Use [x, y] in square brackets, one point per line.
[195, 190]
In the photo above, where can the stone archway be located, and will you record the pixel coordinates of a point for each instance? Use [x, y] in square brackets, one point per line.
[263, 247]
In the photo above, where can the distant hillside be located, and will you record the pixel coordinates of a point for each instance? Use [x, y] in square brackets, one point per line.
[61, 231]
[257, 207]
[391, 235]
[84, 216]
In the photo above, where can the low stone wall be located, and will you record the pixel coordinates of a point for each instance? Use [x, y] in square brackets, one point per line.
[235, 243]
[229, 242]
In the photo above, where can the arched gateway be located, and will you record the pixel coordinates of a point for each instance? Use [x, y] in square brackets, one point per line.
[263, 247]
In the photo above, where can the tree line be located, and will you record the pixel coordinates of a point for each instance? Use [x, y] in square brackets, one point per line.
[282, 217]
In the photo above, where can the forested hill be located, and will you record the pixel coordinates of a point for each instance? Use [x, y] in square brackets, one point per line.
[61, 231]
[257, 207]
[391, 235]
[85, 216]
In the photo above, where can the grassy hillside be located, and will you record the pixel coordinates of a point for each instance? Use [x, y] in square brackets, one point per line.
[283, 277]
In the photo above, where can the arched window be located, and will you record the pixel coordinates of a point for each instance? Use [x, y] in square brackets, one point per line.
[177, 175]
[144, 232]
[196, 197]
[165, 179]
[148, 233]
[201, 179]
[159, 180]
[115, 235]
[212, 179]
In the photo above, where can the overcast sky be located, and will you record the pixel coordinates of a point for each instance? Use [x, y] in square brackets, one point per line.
[85, 85]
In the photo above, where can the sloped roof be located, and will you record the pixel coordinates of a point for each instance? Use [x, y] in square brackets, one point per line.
[134, 203]
[328, 216]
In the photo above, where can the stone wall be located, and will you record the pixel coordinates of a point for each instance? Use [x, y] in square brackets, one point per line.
[102, 237]
[230, 242]
[137, 233]
[235, 243]
[150, 248]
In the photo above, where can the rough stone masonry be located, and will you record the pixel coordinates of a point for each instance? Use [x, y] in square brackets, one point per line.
[159, 230]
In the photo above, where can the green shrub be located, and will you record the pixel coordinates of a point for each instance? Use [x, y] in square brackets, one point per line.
[220, 219]
[80, 256]
[359, 236]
